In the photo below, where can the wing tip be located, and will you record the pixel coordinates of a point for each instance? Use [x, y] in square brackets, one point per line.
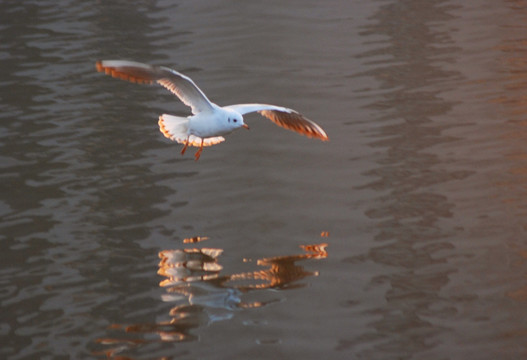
[114, 71]
[321, 136]
[296, 122]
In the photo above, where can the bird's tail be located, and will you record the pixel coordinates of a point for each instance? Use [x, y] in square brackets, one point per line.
[176, 128]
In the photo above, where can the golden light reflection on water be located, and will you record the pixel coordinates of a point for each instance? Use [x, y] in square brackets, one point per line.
[195, 239]
[511, 101]
[201, 294]
[521, 293]
[281, 272]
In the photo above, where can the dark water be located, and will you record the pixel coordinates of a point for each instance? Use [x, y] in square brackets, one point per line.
[404, 237]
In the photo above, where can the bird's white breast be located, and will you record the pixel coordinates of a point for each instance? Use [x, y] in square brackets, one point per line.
[209, 124]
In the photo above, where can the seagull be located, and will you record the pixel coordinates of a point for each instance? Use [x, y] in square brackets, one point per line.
[208, 122]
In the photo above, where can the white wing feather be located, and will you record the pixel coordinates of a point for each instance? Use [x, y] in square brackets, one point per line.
[182, 86]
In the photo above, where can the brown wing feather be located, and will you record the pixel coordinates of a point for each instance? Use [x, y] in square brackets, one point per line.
[296, 122]
[132, 74]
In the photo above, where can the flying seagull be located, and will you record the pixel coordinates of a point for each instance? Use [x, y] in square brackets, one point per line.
[208, 121]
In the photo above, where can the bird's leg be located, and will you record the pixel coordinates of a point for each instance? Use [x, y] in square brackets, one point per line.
[185, 147]
[198, 153]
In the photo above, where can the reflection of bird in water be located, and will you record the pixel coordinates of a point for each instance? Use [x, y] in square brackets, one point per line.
[192, 276]
[200, 295]
[184, 266]
[209, 121]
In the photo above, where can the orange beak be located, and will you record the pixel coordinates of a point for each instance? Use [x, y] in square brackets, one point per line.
[245, 126]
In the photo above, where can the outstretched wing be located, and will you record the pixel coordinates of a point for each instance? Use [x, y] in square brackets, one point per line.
[284, 117]
[182, 86]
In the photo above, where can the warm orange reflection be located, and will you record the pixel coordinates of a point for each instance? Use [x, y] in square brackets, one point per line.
[195, 239]
[521, 293]
[199, 294]
[281, 271]
[511, 93]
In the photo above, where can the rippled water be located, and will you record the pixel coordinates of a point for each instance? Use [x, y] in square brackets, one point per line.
[404, 237]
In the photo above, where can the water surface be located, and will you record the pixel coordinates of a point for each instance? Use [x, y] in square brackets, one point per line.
[402, 237]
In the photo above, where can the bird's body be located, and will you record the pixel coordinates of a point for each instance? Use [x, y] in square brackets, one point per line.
[224, 122]
[208, 122]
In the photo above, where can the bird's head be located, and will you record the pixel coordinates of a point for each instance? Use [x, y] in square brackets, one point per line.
[235, 120]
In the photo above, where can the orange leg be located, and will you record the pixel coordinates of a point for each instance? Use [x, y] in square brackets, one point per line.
[198, 153]
[185, 147]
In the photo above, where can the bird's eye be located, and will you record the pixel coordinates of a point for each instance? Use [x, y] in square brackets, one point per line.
[234, 120]
[229, 119]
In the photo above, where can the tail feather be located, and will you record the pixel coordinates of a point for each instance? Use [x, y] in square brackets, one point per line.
[176, 128]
